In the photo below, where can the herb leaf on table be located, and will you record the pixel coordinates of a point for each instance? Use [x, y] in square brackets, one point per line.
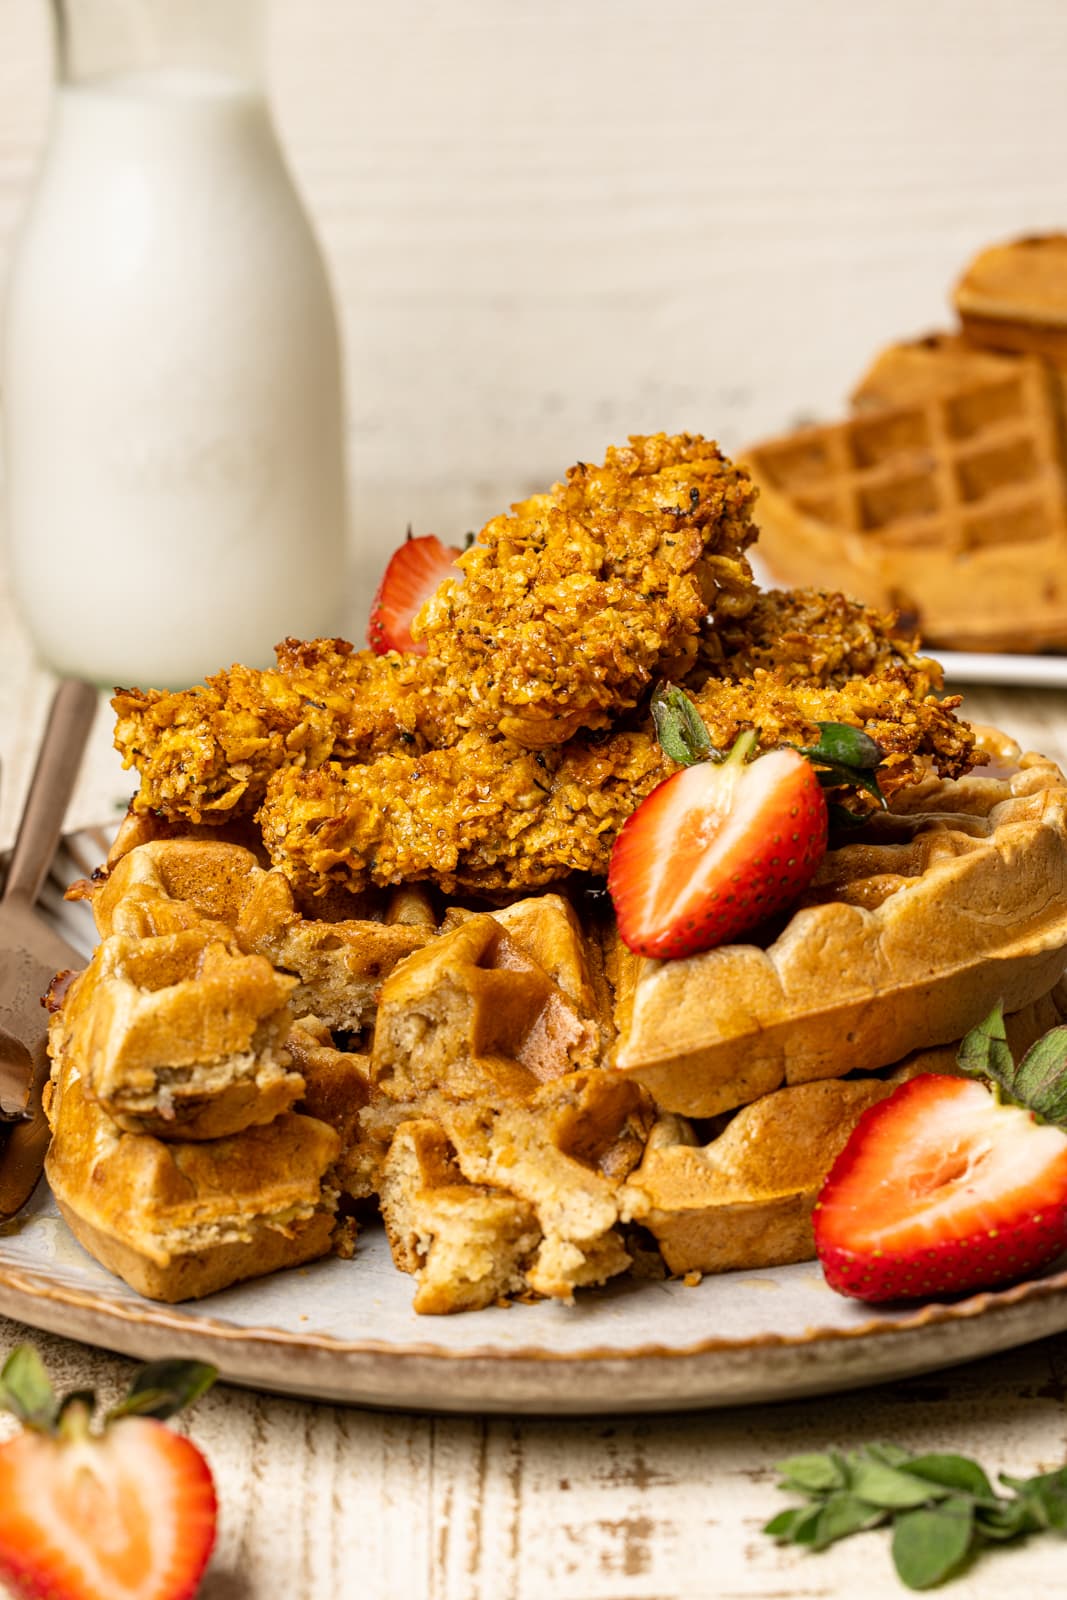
[942, 1508]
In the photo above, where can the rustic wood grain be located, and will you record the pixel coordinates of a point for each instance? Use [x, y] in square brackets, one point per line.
[320, 1503]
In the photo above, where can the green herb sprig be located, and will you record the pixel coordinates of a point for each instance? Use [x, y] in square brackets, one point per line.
[942, 1508]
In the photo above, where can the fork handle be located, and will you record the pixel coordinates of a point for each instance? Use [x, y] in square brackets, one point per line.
[69, 721]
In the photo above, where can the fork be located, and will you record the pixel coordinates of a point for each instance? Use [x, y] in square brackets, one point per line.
[30, 952]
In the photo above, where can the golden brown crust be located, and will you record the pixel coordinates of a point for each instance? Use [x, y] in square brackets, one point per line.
[180, 1220]
[901, 942]
[570, 603]
[744, 1200]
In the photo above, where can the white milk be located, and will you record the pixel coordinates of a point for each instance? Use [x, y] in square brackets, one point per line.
[172, 390]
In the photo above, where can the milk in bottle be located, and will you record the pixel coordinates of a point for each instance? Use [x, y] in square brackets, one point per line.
[174, 445]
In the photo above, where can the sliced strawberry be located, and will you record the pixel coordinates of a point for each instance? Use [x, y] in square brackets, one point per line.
[414, 572]
[716, 849]
[126, 1513]
[941, 1189]
[127, 1516]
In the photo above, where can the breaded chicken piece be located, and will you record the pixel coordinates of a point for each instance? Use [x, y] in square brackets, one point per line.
[205, 754]
[485, 814]
[813, 635]
[570, 605]
[489, 816]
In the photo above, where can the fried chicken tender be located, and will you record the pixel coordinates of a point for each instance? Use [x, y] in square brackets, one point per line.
[814, 636]
[485, 814]
[205, 754]
[570, 606]
[572, 603]
[489, 816]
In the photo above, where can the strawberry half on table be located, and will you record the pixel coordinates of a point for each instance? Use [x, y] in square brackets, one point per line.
[125, 1514]
[414, 573]
[952, 1184]
[724, 844]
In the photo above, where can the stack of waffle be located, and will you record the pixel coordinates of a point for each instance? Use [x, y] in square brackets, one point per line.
[944, 494]
[533, 1108]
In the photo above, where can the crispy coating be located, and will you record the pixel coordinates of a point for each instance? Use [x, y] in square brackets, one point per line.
[484, 814]
[205, 754]
[490, 816]
[572, 603]
[569, 608]
[511, 753]
[813, 636]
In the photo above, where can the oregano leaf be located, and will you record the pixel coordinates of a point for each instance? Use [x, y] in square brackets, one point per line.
[844, 1513]
[931, 1542]
[892, 1488]
[953, 1472]
[811, 1474]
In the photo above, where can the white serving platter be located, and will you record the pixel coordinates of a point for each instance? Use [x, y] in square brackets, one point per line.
[345, 1331]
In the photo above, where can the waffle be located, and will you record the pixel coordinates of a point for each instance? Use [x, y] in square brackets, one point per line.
[908, 373]
[1014, 297]
[514, 1095]
[180, 1220]
[468, 1245]
[744, 1199]
[542, 1181]
[181, 1034]
[339, 961]
[903, 940]
[948, 509]
[473, 1014]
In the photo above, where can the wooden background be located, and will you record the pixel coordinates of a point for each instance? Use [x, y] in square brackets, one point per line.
[552, 224]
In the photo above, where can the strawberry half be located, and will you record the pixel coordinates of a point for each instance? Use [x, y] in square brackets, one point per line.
[941, 1190]
[716, 849]
[127, 1514]
[414, 573]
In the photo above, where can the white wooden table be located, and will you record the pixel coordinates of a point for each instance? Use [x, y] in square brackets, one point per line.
[320, 1502]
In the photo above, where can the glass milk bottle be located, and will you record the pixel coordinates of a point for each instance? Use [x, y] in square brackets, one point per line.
[171, 386]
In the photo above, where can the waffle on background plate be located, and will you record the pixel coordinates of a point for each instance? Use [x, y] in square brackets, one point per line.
[944, 493]
[532, 1108]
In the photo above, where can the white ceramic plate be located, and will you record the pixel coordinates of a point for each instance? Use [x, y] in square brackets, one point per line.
[344, 1330]
[1003, 671]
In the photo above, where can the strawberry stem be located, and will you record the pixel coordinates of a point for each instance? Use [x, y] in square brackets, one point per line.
[742, 748]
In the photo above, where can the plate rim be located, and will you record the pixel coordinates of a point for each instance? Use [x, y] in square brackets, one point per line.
[38, 1285]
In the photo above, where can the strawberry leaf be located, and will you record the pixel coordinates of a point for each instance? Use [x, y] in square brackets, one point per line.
[680, 727]
[1041, 1080]
[984, 1052]
[162, 1388]
[26, 1391]
[844, 746]
[847, 756]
